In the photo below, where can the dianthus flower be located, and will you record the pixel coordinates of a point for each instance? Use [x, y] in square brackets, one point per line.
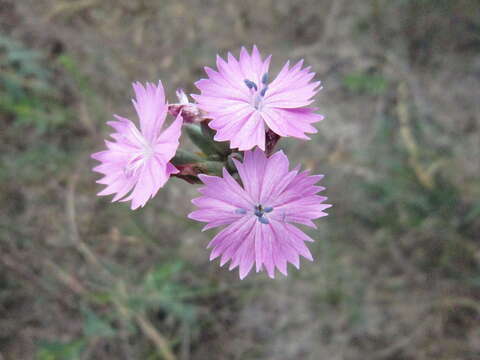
[243, 102]
[261, 213]
[137, 162]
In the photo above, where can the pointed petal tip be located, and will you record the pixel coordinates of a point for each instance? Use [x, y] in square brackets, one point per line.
[220, 60]
[196, 97]
[208, 226]
[213, 256]
[135, 206]
[242, 275]
[223, 261]
[100, 193]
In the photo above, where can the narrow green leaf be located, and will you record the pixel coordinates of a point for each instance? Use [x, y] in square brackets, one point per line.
[185, 157]
[94, 326]
[61, 351]
[223, 147]
[204, 143]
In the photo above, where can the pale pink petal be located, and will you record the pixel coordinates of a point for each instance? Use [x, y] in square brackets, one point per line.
[242, 102]
[259, 217]
[151, 108]
[136, 164]
[251, 172]
[223, 189]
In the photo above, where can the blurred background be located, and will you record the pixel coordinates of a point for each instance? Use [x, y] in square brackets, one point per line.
[396, 274]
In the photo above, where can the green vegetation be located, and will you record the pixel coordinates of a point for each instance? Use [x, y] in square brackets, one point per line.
[365, 83]
[27, 92]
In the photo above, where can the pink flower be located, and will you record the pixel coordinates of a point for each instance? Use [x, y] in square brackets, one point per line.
[137, 163]
[242, 101]
[260, 214]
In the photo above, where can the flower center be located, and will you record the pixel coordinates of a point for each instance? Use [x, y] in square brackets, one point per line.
[137, 160]
[259, 211]
[257, 93]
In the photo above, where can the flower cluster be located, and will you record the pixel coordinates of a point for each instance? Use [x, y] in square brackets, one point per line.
[235, 121]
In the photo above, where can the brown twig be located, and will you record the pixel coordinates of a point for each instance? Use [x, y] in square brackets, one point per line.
[160, 342]
[401, 342]
[69, 8]
[424, 177]
[66, 278]
[145, 325]
[460, 301]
